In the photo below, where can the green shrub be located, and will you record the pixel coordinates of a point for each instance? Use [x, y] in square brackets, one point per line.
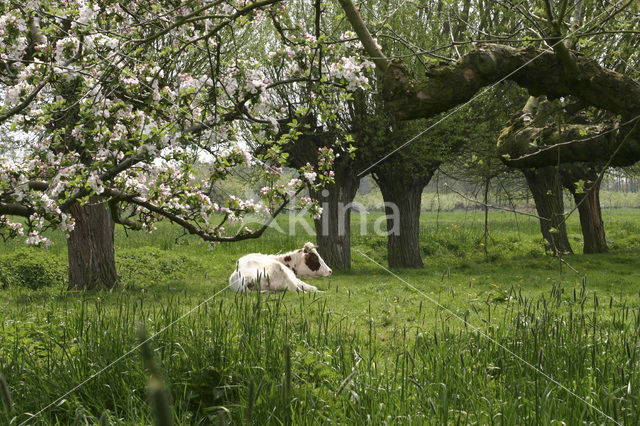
[32, 268]
[5, 277]
[144, 266]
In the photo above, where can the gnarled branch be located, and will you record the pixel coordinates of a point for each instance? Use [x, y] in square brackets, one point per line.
[533, 142]
[535, 69]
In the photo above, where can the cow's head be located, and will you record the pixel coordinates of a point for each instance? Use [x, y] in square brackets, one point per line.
[306, 262]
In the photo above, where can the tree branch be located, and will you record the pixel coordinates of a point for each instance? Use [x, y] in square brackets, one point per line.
[370, 46]
[180, 20]
[536, 145]
[25, 103]
[114, 209]
[230, 19]
[190, 227]
[16, 210]
[535, 69]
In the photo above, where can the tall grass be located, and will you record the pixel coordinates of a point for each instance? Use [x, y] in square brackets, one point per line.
[289, 359]
[368, 350]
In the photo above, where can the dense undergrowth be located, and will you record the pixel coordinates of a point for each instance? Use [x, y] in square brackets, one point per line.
[514, 338]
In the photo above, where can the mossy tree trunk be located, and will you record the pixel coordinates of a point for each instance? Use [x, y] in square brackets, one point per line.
[545, 186]
[582, 181]
[402, 194]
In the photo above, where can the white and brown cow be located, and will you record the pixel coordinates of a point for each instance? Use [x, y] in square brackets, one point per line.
[279, 272]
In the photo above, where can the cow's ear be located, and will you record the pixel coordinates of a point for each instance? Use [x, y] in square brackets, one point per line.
[308, 247]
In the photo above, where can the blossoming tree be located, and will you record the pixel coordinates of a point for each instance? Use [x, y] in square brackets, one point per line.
[119, 102]
[322, 110]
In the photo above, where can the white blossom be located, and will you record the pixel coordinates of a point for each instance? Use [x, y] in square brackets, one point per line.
[310, 176]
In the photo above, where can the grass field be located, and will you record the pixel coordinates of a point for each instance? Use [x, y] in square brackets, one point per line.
[515, 337]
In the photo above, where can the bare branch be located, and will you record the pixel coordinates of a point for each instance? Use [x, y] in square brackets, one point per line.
[230, 19]
[114, 209]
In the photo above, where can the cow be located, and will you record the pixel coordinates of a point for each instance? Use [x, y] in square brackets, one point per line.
[279, 272]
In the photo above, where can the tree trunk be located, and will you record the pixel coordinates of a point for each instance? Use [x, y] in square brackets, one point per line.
[402, 199]
[90, 247]
[333, 229]
[547, 194]
[588, 200]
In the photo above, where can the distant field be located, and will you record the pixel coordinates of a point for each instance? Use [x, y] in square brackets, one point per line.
[467, 339]
[445, 200]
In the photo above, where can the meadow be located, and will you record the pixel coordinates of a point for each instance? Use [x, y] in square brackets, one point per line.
[513, 337]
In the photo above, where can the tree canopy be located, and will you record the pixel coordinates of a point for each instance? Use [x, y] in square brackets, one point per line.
[121, 100]
[544, 66]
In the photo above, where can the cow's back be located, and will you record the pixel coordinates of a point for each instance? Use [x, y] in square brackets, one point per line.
[251, 270]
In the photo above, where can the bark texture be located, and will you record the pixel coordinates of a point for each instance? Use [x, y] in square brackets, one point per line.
[541, 73]
[582, 181]
[546, 188]
[401, 188]
[333, 228]
[528, 142]
[90, 247]
[537, 70]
